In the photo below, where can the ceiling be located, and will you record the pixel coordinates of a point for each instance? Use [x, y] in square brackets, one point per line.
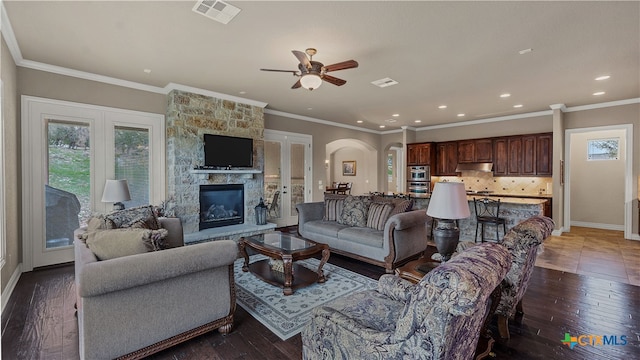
[460, 54]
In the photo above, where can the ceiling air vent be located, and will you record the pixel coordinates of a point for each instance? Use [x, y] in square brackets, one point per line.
[384, 82]
[217, 10]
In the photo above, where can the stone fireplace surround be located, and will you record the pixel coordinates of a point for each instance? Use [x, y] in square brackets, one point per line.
[190, 116]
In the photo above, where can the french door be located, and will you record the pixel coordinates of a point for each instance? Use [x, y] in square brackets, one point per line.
[287, 175]
[69, 150]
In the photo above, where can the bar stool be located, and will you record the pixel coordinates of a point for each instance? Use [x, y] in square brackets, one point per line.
[487, 211]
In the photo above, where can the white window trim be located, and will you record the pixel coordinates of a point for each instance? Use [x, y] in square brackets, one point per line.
[3, 234]
[101, 119]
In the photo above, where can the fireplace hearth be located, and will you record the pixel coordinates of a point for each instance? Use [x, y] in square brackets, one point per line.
[221, 205]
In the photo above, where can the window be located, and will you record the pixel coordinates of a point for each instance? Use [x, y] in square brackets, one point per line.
[603, 149]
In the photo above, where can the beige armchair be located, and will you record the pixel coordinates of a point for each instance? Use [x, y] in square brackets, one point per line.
[133, 306]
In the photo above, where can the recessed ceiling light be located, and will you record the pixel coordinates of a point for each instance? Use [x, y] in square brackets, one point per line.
[382, 126]
[442, 107]
[603, 77]
[460, 115]
[417, 121]
[309, 108]
[598, 93]
[242, 92]
[505, 95]
[395, 115]
[359, 121]
[148, 71]
[517, 106]
[525, 51]
[391, 120]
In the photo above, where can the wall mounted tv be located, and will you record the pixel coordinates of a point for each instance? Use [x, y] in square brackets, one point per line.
[227, 151]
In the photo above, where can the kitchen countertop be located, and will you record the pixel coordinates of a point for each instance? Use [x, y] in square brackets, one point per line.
[504, 198]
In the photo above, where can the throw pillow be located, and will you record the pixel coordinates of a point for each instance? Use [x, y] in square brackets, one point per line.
[138, 217]
[96, 222]
[402, 206]
[333, 205]
[355, 211]
[110, 244]
[378, 215]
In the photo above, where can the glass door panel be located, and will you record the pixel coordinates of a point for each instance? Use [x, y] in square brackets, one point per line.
[68, 183]
[272, 179]
[297, 179]
[132, 163]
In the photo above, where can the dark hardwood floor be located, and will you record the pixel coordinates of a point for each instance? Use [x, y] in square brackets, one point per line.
[39, 322]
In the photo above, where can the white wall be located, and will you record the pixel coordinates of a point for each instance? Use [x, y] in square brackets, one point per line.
[597, 186]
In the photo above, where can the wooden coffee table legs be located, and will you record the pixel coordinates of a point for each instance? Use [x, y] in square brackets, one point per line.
[291, 276]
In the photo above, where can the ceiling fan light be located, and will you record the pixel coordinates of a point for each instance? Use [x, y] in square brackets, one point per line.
[310, 81]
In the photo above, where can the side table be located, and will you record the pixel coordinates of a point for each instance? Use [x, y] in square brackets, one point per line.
[415, 270]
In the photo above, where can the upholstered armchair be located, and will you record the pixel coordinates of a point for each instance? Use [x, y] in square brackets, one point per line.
[522, 241]
[440, 317]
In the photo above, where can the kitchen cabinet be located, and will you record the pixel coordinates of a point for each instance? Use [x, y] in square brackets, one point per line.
[420, 154]
[446, 158]
[544, 151]
[523, 155]
[475, 151]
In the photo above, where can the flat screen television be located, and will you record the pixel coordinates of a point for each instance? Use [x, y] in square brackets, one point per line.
[227, 151]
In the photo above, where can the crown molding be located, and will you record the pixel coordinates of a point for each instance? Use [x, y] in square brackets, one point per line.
[173, 86]
[488, 120]
[9, 35]
[319, 121]
[603, 105]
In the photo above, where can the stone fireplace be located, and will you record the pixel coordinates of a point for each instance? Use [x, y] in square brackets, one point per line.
[189, 117]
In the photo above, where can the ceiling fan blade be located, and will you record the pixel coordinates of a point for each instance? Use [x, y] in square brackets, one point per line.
[302, 57]
[333, 80]
[291, 71]
[349, 64]
[296, 85]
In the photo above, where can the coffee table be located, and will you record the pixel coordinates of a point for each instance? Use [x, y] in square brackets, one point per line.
[283, 251]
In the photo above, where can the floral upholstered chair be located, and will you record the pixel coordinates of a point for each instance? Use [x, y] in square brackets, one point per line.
[522, 241]
[440, 317]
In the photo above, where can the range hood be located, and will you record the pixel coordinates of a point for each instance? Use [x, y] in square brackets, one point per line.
[474, 167]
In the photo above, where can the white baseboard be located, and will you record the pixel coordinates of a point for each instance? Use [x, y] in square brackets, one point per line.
[598, 225]
[8, 290]
[557, 232]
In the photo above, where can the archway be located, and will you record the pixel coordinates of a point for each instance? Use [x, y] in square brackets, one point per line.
[364, 177]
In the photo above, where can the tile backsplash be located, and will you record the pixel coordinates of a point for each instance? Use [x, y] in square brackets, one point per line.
[501, 185]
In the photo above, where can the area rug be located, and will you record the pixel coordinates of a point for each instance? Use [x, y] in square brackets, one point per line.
[285, 316]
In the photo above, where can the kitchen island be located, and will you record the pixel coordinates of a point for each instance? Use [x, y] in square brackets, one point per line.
[514, 209]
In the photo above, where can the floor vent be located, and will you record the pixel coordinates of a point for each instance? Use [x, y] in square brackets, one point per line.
[217, 10]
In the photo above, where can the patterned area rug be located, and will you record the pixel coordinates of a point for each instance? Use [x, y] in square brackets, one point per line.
[285, 316]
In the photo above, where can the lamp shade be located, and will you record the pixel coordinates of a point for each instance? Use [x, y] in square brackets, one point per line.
[310, 81]
[116, 191]
[448, 201]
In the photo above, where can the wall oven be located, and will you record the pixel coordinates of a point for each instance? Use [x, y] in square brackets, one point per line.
[418, 173]
[418, 187]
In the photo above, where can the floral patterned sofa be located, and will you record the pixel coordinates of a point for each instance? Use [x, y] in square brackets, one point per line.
[440, 317]
[522, 241]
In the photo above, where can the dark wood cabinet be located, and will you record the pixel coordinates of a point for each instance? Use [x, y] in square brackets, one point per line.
[544, 151]
[420, 154]
[500, 157]
[474, 151]
[524, 155]
[528, 155]
[514, 157]
[446, 158]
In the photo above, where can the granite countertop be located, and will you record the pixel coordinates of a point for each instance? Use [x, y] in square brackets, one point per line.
[504, 198]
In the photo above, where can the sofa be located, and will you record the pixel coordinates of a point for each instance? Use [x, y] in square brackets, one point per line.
[440, 317]
[375, 229]
[133, 305]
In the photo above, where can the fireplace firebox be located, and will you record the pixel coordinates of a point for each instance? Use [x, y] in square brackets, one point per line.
[221, 205]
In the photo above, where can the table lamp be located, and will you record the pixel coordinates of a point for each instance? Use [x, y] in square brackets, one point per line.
[448, 203]
[116, 191]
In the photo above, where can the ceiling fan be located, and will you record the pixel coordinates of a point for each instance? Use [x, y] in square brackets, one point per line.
[313, 72]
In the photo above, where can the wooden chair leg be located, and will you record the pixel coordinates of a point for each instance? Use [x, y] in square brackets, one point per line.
[519, 313]
[503, 327]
